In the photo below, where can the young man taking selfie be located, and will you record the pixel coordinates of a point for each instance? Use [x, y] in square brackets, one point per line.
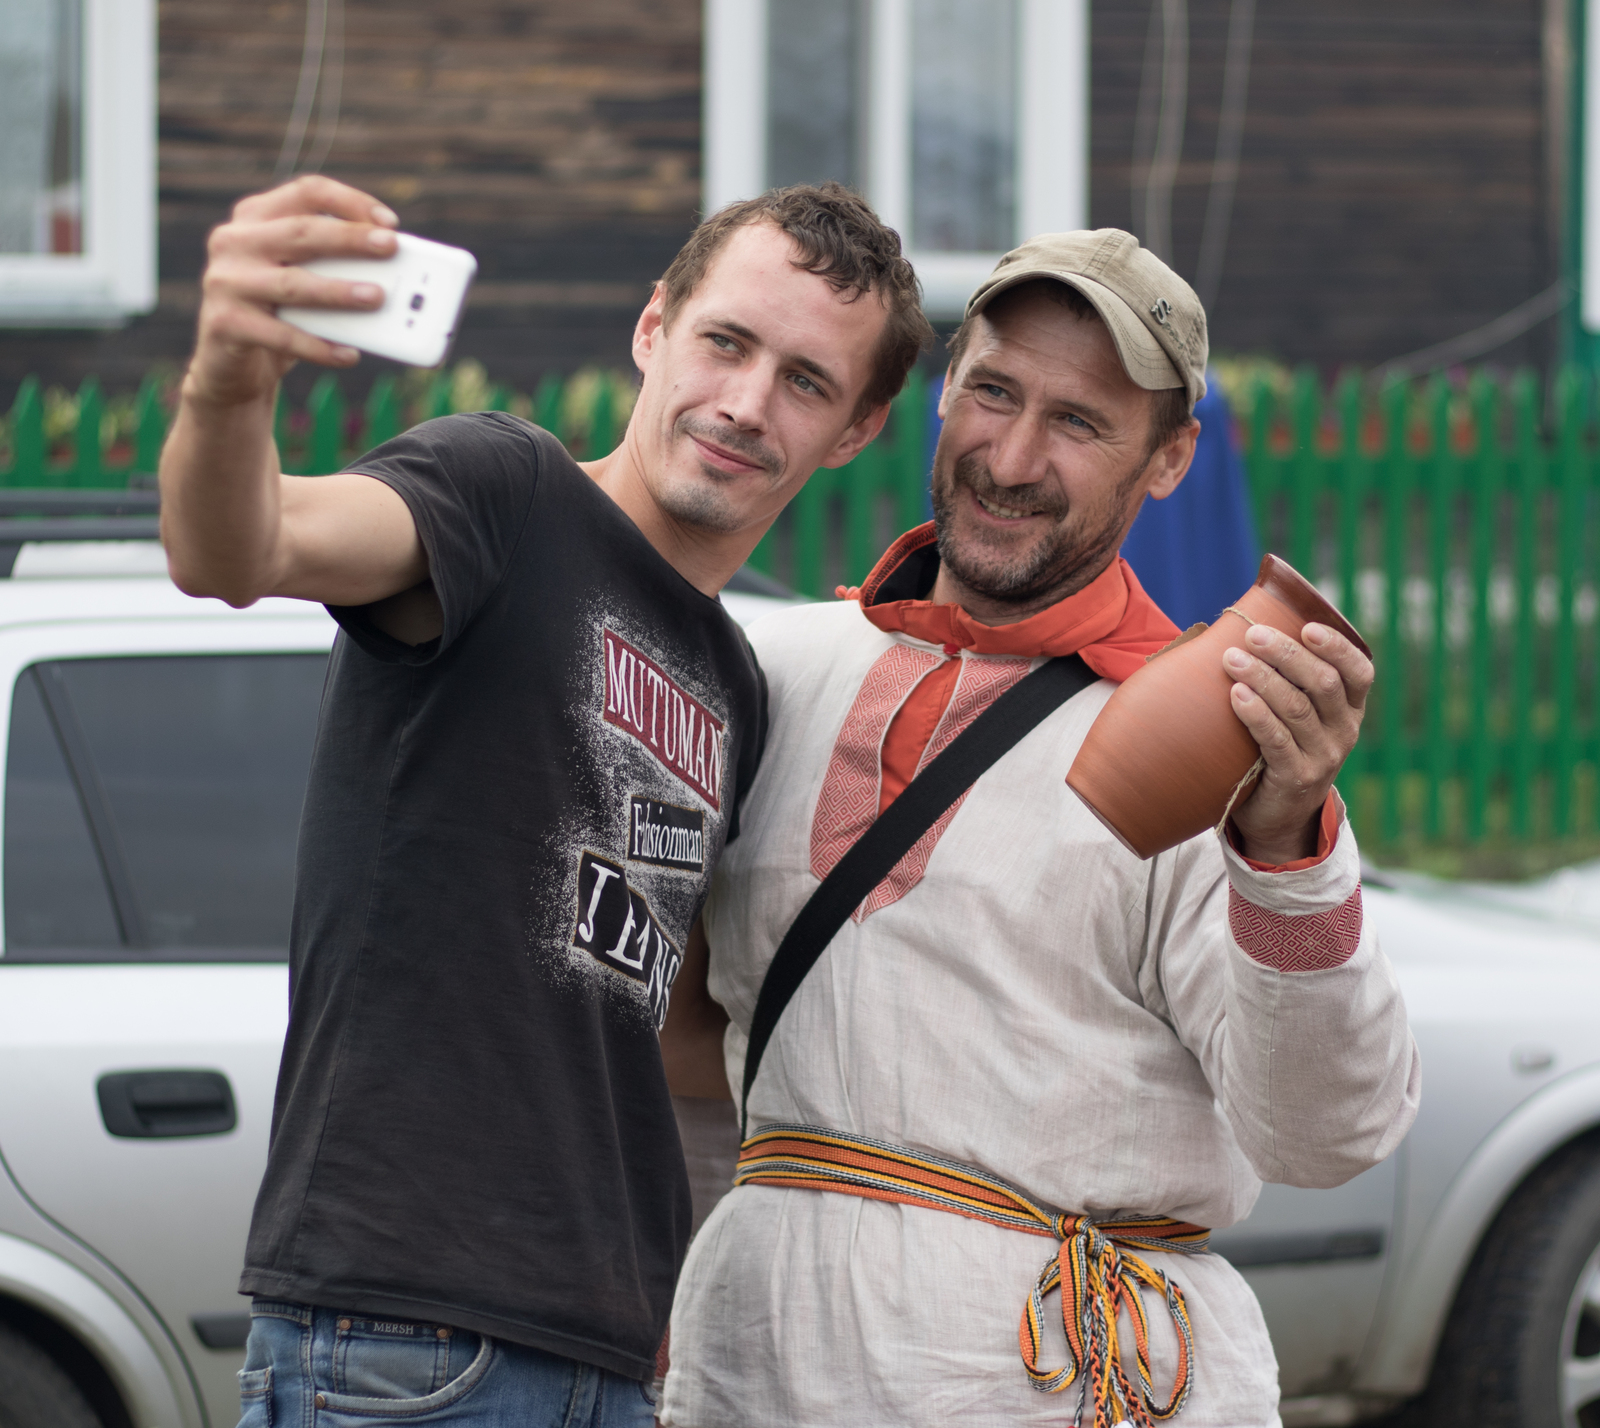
[475, 1204]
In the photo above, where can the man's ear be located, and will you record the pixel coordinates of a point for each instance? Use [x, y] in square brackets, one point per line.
[650, 327]
[1173, 460]
[857, 436]
[944, 391]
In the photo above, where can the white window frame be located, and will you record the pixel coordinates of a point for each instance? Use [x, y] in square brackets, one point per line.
[1589, 237]
[115, 275]
[1052, 177]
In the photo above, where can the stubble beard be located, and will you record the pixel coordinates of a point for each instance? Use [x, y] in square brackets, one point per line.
[703, 501]
[1062, 564]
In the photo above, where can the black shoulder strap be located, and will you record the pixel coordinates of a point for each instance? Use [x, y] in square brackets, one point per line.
[872, 857]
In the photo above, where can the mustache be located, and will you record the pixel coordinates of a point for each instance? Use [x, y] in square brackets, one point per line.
[971, 472]
[730, 438]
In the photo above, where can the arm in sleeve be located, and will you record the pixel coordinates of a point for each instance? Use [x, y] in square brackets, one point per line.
[469, 482]
[1275, 980]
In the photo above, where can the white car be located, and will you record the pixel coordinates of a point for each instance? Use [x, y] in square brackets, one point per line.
[1468, 1263]
[155, 756]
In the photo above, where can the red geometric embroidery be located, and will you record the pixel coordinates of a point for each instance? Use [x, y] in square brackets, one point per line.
[1311, 942]
[849, 798]
[981, 682]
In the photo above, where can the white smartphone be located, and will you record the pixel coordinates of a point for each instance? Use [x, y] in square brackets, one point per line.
[424, 289]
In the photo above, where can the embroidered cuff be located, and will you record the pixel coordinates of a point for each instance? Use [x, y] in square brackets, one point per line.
[1304, 916]
[1310, 942]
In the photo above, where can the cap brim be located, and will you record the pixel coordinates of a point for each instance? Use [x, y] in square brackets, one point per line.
[1144, 358]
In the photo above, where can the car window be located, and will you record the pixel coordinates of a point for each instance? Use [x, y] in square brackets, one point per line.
[55, 892]
[189, 773]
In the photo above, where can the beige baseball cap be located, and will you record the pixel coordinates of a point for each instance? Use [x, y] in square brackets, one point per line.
[1154, 317]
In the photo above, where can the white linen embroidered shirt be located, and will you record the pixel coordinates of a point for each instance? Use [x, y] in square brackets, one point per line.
[1041, 1005]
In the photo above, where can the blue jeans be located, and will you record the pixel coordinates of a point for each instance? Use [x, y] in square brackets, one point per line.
[319, 1368]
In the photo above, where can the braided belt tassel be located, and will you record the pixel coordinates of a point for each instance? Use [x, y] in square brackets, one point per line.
[1098, 1282]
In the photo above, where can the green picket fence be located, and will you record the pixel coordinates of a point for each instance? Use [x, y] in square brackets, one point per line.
[61, 440]
[101, 453]
[834, 530]
[1457, 525]
[842, 520]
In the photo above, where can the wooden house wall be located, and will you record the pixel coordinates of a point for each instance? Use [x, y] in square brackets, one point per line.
[1393, 188]
[559, 141]
[1394, 184]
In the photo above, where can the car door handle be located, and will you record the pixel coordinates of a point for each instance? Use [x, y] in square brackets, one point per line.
[142, 1104]
[221, 1331]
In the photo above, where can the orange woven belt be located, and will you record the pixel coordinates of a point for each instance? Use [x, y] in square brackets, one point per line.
[1095, 1268]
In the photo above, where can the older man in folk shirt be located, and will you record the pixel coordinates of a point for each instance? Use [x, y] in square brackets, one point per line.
[1023, 1027]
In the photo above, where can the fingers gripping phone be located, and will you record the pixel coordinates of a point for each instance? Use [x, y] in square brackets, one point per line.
[424, 288]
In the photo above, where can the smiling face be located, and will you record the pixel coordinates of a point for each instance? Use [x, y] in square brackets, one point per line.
[1044, 458]
[754, 386]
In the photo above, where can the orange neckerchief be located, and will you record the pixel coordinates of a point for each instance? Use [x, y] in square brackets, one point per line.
[1111, 622]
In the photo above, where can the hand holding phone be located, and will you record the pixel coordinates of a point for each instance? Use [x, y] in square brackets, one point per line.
[424, 289]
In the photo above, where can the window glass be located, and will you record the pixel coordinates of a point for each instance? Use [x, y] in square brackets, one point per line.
[54, 889]
[41, 113]
[963, 125]
[195, 771]
[813, 48]
[203, 760]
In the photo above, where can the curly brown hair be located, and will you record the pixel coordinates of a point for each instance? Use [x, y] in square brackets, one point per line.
[840, 239]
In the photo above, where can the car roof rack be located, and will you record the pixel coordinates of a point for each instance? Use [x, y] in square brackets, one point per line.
[63, 514]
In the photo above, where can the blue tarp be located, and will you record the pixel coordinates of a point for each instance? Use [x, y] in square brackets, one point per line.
[1196, 551]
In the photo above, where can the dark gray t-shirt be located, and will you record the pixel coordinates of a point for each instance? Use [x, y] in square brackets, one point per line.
[508, 834]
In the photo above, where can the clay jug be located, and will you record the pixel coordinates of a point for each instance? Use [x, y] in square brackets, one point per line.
[1167, 754]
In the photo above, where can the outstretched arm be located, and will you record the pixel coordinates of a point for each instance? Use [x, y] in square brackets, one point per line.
[233, 525]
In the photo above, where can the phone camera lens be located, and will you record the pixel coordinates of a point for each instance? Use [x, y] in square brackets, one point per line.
[416, 302]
